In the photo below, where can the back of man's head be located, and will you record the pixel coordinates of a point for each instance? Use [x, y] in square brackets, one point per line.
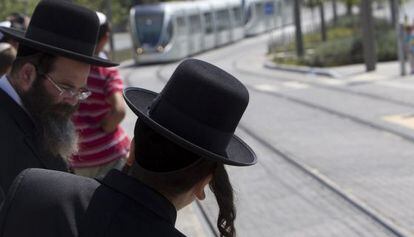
[165, 166]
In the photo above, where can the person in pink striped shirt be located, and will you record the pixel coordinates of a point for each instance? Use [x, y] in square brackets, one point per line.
[103, 144]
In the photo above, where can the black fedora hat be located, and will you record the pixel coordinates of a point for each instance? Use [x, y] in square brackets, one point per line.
[62, 28]
[199, 110]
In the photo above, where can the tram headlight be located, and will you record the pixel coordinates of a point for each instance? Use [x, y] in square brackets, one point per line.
[140, 51]
[160, 49]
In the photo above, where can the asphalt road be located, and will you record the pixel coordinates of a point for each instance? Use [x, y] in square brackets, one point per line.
[334, 157]
[329, 162]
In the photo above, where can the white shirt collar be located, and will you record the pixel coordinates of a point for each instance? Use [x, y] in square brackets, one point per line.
[8, 88]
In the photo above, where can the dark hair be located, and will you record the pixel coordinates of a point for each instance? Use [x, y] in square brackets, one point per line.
[223, 191]
[43, 61]
[17, 17]
[103, 29]
[17, 21]
[173, 170]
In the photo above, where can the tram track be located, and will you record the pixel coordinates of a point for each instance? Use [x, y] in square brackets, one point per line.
[330, 111]
[324, 86]
[370, 212]
[386, 222]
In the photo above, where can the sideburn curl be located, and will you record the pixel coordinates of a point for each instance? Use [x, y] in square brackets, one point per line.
[223, 191]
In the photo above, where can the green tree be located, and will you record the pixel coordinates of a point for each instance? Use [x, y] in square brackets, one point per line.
[10, 6]
[320, 4]
[349, 5]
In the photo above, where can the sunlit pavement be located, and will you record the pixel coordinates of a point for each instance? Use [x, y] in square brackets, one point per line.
[335, 154]
[317, 138]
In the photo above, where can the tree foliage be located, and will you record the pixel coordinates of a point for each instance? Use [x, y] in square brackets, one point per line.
[21, 6]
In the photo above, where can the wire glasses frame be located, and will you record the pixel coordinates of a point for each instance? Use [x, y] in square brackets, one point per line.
[81, 94]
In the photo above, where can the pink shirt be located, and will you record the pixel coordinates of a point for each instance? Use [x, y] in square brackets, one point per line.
[97, 147]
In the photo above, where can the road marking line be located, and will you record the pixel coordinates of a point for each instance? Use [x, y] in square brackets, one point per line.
[295, 85]
[405, 120]
[266, 87]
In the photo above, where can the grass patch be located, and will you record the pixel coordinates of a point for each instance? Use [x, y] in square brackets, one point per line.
[122, 55]
[344, 45]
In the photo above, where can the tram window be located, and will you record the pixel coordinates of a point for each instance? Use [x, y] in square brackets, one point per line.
[223, 20]
[259, 9]
[181, 26]
[209, 22]
[169, 29]
[237, 16]
[149, 27]
[248, 14]
[269, 5]
[168, 34]
[195, 23]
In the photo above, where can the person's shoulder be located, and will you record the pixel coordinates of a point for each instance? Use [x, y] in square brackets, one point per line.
[141, 223]
[49, 187]
[46, 197]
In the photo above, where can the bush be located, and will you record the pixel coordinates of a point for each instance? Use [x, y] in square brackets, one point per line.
[387, 46]
[332, 53]
[344, 45]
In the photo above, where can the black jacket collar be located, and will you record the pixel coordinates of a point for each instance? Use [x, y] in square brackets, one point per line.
[141, 193]
[23, 120]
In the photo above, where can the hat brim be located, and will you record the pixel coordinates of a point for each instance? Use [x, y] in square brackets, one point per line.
[238, 152]
[19, 36]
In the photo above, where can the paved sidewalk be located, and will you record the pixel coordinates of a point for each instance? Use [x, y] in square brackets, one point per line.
[355, 72]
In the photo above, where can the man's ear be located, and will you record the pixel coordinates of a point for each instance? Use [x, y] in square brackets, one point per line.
[27, 75]
[131, 155]
[200, 186]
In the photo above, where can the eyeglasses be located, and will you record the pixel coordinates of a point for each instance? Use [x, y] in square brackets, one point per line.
[81, 94]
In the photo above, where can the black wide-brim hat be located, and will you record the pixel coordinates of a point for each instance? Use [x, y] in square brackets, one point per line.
[199, 110]
[64, 29]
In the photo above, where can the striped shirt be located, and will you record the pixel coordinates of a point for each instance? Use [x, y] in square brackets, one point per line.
[97, 147]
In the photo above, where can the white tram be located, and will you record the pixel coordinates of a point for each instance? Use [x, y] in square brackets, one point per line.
[174, 30]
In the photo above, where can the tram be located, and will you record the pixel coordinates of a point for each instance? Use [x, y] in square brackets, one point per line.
[171, 31]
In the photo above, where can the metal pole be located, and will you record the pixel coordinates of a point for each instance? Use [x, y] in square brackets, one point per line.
[400, 34]
[111, 35]
[394, 11]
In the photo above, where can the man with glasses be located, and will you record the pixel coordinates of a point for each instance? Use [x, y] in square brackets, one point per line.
[46, 83]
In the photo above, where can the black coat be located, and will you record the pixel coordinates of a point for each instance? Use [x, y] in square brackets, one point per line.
[51, 203]
[18, 143]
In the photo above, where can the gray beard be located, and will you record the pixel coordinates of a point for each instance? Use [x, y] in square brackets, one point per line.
[57, 134]
[59, 137]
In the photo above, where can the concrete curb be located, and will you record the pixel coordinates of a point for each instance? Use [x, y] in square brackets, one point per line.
[302, 69]
[126, 63]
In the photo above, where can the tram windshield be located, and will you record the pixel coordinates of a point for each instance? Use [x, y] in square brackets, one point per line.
[149, 27]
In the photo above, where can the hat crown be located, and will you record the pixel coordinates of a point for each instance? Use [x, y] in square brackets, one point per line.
[201, 103]
[64, 25]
